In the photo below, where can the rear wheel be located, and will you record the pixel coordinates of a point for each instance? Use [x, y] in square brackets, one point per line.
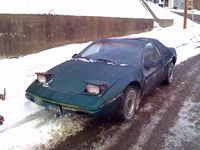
[170, 74]
[129, 104]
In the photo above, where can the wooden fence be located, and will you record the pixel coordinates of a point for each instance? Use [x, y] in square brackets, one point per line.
[25, 34]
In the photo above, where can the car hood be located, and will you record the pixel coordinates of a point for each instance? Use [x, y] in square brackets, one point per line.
[71, 76]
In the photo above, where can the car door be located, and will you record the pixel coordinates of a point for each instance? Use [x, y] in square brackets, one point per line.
[165, 55]
[152, 67]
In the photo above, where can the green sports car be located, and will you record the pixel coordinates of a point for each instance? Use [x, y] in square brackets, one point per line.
[110, 76]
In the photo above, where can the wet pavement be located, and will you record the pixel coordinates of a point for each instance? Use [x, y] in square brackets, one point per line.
[167, 119]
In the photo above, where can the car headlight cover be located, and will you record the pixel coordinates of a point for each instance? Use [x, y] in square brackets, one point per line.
[41, 78]
[44, 77]
[93, 89]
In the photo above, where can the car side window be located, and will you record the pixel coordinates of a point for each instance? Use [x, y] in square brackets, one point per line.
[151, 52]
[162, 48]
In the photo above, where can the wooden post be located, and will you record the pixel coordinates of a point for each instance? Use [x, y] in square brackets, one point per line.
[192, 3]
[185, 14]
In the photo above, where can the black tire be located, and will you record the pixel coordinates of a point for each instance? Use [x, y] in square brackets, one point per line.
[129, 104]
[170, 74]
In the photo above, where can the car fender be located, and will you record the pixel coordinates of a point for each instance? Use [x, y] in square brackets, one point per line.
[174, 54]
[117, 89]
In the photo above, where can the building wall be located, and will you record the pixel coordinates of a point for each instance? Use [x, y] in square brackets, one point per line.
[171, 3]
[197, 4]
[167, 3]
[180, 4]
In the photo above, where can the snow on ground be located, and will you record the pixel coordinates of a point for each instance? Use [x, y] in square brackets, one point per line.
[159, 11]
[41, 133]
[193, 11]
[125, 8]
[19, 73]
[43, 128]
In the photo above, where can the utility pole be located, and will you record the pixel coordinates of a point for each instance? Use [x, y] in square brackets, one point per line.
[192, 3]
[185, 14]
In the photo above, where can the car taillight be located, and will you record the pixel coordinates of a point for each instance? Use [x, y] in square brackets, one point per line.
[44, 77]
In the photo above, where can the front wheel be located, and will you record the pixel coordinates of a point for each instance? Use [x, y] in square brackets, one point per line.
[129, 104]
[170, 74]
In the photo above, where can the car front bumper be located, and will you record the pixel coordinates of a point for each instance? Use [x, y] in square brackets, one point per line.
[105, 109]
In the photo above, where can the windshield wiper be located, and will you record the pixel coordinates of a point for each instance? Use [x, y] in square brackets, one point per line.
[86, 59]
[108, 61]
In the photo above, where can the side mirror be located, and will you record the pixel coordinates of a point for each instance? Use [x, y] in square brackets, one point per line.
[75, 56]
[150, 64]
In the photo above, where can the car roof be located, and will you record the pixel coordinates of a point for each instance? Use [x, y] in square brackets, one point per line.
[141, 40]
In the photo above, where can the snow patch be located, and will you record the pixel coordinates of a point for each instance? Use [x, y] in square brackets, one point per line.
[187, 128]
[159, 11]
[42, 133]
[19, 73]
[193, 11]
[111, 8]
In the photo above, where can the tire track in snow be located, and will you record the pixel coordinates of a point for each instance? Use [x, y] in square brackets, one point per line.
[29, 118]
[185, 134]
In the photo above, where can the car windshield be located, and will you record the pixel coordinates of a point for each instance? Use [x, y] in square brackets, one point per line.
[122, 53]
